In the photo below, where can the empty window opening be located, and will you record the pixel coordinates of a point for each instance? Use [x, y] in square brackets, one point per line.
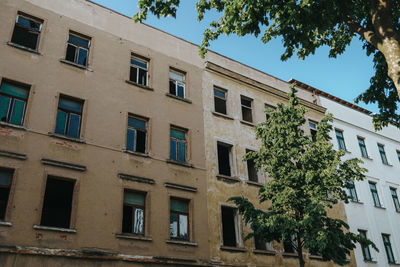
[313, 130]
[229, 226]
[136, 135]
[133, 213]
[220, 101]
[27, 32]
[224, 159]
[57, 203]
[5, 185]
[177, 84]
[77, 49]
[178, 144]
[251, 169]
[139, 71]
[365, 249]
[382, 152]
[179, 219]
[288, 245]
[363, 148]
[69, 116]
[246, 108]
[340, 139]
[13, 99]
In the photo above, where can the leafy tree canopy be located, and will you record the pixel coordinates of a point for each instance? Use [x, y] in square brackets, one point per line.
[305, 25]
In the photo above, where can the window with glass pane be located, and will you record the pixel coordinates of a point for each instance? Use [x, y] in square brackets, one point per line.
[5, 185]
[247, 113]
[133, 213]
[395, 198]
[77, 49]
[313, 129]
[139, 71]
[220, 101]
[178, 144]
[365, 249]
[398, 154]
[177, 84]
[388, 248]
[363, 148]
[69, 116]
[352, 191]
[179, 219]
[382, 152]
[27, 32]
[340, 139]
[136, 135]
[13, 99]
[251, 169]
[374, 193]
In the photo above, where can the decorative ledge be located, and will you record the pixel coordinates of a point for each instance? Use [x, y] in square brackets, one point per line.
[228, 179]
[135, 178]
[133, 237]
[179, 98]
[56, 229]
[265, 252]
[139, 85]
[76, 140]
[13, 155]
[174, 259]
[63, 164]
[232, 249]
[144, 155]
[179, 242]
[222, 115]
[14, 126]
[181, 187]
[188, 165]
[75, 65]
[254, 183]
[23, 48]
[247, 123]
[3, 223]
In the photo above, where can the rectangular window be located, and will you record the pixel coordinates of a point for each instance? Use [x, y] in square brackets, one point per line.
[374, 193]
[288, 245]
[395, 198]
[388, 248]
[313, 129]
[5, 185]
[77, 49]
[136, 135]
[57, 202]
[224, 159]
[365, 249]
[247, 112]
[179, 219]
[398, 154]
[251, 169]
[382, 152]
[340, 139]
[363, 148]
[139, 71]
[13, 99]
[27, 32]
[178, 144]
[69, 117]
[260, 244]
[220, 101]
[229, 226]
[267, 109]
[352, 191]
[133, 213]
[177, 83]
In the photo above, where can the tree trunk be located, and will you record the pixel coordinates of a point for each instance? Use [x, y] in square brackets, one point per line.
[390, 47]
[300, 252]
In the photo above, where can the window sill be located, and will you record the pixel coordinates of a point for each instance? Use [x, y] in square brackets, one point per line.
[254, 183]
[222, 115]
[357, 202]
[247, 123]
[380, 207]
[370, 261]
[184, 164]
[181, 187]
[289, 254]
[139, 85]
[387, 164]
[368, 158]
[179, 242]
[133, 237]
[179, 98]
[56, 229]
[75, 65]
[3, 223]
[229, 179]
[394, 263]
[315, 257]
[14, 126]
[76, 140]
[232, 249]
[265, 252]
[24, 48]
[144, 155]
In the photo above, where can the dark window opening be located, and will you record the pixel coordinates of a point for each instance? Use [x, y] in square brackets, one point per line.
[136, 135]
[224, 161]
[77, 49]
[251, 169]
[27, 32]
[69, 116]
[57, 203]
[288, 246]
[229, 226]
[261, 244]
[13, 100]
[246, 109]
[5, 185]
[220, 101]
[133, 213]
[177, 84]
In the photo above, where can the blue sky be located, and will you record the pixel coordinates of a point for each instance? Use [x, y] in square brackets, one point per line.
[345, 76]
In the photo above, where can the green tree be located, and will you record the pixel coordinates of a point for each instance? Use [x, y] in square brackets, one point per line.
[305, 25]
[306, 179]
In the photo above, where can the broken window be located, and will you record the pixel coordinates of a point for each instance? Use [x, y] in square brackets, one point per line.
[179, 219]
[261, 244]
[57, 202]
[229, 226]
[382, 152]
[13, 99]
[136, 135]
[133, 212]
[374, 193]
[246, 108]
[251, 169]
[395, 198]
[178, 144]
[139, 71]
[177, 83]
[388, 248]
[363, 148]
[313, 130]
[220, 100]
[77, 49]
[5, 185]
[27, 32]
[224, 159]
[340, 139]
[69, 116]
